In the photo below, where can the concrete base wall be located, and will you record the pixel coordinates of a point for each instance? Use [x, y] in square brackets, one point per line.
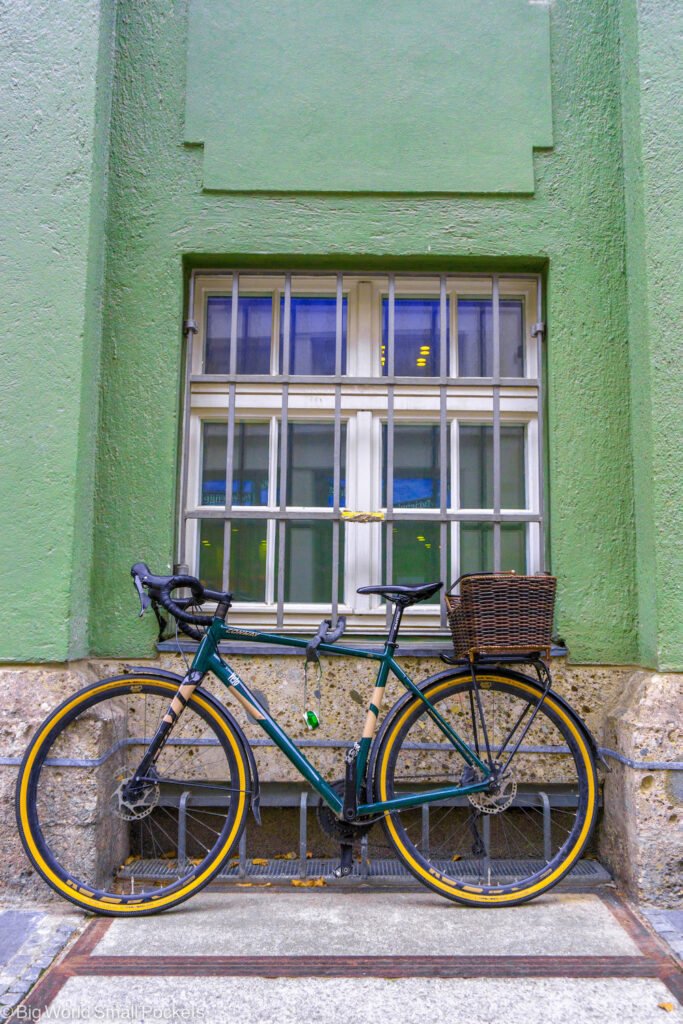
[641, 839]
[633, 712]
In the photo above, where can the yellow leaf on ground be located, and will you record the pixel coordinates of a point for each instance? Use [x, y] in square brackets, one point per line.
[456, 856]
[168, 856]
[309, 855]
[309, 882]
[130, 860]
[254, 885]
[259, 860]
[666, 1006]
[285, 856]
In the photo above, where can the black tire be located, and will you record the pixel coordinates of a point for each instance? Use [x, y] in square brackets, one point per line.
[113, 859]
[448, 850]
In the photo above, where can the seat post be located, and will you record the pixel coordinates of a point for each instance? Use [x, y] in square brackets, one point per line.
[395, 622]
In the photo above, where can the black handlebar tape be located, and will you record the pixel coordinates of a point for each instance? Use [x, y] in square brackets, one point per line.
[172, 583]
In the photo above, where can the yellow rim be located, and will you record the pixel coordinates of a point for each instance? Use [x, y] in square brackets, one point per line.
[470, 894]
[80, 893]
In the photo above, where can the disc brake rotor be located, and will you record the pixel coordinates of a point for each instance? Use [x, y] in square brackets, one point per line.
[141, 805]
[503, 791]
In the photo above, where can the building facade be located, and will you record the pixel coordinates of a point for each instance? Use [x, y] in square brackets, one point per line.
[269, 262]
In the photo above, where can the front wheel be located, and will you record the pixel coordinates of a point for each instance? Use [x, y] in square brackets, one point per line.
[497, 847]
[120, 853]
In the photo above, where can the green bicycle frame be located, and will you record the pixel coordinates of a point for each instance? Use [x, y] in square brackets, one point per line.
[207, 659]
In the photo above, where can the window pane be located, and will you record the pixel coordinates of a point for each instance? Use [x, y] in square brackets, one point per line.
[248, 560]
[254, 330]
[308, 562]
[310, 465]
[211, 553]
[476, 466]
[475, 338]
[313, 336]
[476, 547]
[250, 464]
[417, 337]
[417, 481]
[416, 555]
[214, 449]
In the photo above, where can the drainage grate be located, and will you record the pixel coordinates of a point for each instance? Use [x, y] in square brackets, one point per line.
[380, 869]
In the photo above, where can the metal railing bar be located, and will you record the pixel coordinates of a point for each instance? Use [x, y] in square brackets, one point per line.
[396, 515]
[361, 272]
[383, 381]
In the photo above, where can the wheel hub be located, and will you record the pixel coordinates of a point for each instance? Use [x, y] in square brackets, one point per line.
[135, 805]
[502, 790]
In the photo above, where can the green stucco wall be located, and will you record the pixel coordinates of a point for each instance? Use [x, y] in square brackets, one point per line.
[351, 96]
[652, 49]
[55, 65]
[160, 221]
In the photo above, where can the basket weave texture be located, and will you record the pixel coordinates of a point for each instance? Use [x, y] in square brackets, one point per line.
[502, 613]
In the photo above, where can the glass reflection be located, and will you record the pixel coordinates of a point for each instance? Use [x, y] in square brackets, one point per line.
[417, 480]
[476, 466]
[254, 332]
[313, 336]
[475, 337]
[417, 337]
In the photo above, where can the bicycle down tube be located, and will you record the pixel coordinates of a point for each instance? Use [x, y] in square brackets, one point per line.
[207, 659]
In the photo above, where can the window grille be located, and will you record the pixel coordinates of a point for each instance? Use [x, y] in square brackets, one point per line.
[309, 395]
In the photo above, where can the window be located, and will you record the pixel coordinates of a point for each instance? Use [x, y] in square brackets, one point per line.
[310, 398]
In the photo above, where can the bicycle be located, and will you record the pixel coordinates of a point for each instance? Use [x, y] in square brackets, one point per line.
[503, 762]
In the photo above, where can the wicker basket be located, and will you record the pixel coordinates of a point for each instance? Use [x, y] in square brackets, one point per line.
[501, 613]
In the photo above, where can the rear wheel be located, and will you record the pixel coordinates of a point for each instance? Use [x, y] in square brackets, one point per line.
[113, 852]
[508, 844]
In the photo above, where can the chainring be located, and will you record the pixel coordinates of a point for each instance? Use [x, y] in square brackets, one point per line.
[334, 827]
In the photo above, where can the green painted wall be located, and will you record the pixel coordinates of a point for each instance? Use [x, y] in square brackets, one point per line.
[651, 40]
[56, 64]
[351, 96]
[160, 219]
[600, 224]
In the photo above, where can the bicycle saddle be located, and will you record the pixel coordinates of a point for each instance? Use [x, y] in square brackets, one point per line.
[398, 594]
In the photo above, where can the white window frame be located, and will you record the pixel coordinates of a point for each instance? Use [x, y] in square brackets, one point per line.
[363, 397]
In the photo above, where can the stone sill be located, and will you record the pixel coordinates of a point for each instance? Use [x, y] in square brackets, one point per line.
[406, 649]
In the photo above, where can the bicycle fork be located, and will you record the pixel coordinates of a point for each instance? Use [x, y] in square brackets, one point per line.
[183, 694]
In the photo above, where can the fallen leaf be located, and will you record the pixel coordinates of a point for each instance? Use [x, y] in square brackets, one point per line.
[309, 882]
[259, 860]
[309, 855]
[285, 856]
[168, 856]
[666, 1006]
[254, 885]
[130, 860]
[456, 856]
[195, 860]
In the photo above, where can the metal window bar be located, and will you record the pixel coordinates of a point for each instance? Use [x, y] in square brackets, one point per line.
[190, 330]
[230, 452]
[495, 310]
[444, 468]
[443, 515]
[539, 413]
[286, 335]
[336, 525]
[389, 355]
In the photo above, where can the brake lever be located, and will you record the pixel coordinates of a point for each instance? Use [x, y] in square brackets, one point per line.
[145, 599]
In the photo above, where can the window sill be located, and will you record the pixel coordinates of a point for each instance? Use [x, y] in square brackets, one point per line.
[406, 648]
